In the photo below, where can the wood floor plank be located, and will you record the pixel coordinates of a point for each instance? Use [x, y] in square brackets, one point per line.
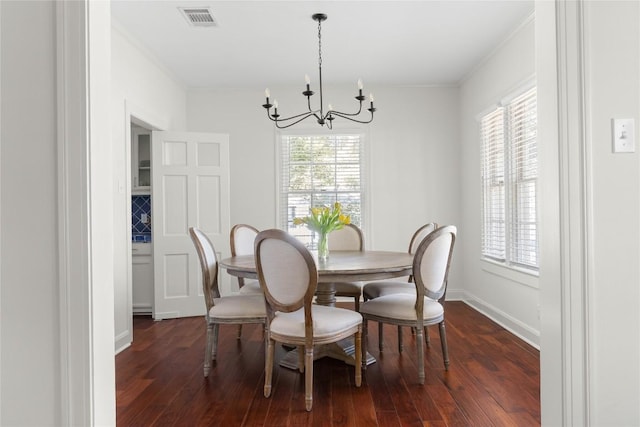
[493, 379]
[244, 388]
[342, 385]
[365, 411]
[282, 397]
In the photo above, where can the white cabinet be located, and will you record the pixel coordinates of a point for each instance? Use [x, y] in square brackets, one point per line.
[142, 278]
[140, 160]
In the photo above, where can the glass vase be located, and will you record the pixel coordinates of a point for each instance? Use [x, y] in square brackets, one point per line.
[323, 246]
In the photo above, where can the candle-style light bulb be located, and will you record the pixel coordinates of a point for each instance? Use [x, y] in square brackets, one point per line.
[308, 92]
[360, 86]
[330, 107]
[371, 97]
[267, 94]
[275, 104]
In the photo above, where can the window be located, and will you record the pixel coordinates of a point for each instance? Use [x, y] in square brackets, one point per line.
[509, 182]
[319, 170]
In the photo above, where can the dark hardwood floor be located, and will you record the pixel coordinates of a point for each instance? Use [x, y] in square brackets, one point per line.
[493, 380]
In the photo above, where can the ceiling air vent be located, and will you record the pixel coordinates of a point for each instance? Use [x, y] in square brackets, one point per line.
[198, 17]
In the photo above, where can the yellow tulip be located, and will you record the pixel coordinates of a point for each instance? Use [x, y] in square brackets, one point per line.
[324, 218]
[344, 219]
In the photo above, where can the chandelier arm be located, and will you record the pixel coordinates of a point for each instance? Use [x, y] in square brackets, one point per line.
[348, 114]
[343, 116]
[291, 124]
[286, 119]
[309, 105]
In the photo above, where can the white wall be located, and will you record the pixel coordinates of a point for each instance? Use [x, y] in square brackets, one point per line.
[412, 143]
[552, 378]
[508, 297]
[98, 406]
[613, 90]
[141, 88]
[57, 366]
[30, 358]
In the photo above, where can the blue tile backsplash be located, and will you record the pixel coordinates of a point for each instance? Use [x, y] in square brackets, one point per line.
[140, 206]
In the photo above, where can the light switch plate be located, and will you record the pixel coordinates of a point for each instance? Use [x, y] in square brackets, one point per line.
[623, 134]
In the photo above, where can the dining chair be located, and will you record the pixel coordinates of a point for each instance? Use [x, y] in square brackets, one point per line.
[235, 309]
[385, 287]
[423, 308]
[348, 238]
[241, 239]
[289, 276]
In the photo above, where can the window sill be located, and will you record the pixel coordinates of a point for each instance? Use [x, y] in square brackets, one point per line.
[515, 274]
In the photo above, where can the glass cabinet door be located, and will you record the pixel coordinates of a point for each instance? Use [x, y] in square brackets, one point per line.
[141, 160]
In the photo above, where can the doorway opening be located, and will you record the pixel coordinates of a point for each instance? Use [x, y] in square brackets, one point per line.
[141, 255]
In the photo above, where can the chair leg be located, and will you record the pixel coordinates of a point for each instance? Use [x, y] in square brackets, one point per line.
[380, 337]
[268, 368]
[208, 350]
[214, 349]
[427, 339]
[420, 355]
[308, 378]
[358, 355]
[400, 343]
[239, 332]
[443, 342]
[300, 358]
[365, 342]
[356, 303]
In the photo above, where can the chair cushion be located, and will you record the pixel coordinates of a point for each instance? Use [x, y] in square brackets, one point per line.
[251, 287]
[238, 306]
[388, 287]
[348, 288]
[401, 306]
[327, 321]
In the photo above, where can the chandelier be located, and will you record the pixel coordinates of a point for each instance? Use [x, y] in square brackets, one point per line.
[323, 117]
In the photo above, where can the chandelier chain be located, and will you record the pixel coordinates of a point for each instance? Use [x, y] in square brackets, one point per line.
[320, 42]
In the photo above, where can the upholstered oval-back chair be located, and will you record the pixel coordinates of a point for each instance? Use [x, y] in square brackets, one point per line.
[387, 287]
[348, 238]
[288, 276]
[235, 310]
[425, 306]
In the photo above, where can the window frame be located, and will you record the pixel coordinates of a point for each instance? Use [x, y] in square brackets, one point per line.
[509, 202]
[365, 177]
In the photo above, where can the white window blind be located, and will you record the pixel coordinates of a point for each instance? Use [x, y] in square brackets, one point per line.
[509, 182]
[319, 170]
[493, 185]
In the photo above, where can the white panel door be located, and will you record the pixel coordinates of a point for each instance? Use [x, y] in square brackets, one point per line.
[190, 188]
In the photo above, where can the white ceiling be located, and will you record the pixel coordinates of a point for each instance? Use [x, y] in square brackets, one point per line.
[270, 43]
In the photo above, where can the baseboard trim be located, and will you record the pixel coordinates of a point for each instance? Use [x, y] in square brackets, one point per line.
[513, 325]
[120, 348]
[142, 309]
[122, 341]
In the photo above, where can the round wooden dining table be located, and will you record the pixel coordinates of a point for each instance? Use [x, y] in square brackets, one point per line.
[341, 266]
